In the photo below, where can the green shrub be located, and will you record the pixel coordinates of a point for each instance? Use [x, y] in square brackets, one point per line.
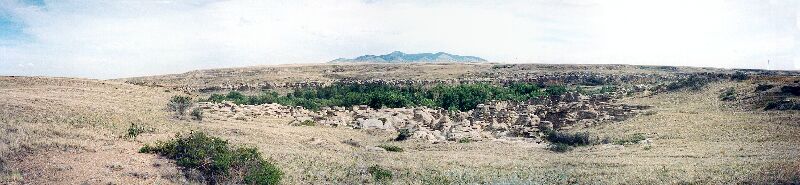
[451, 97]
[391, 148]
[635, 138]
[197, 114]
[380, 174]
[560, 147]
[216, 161]
[403, 135]
[179, 104]
[574, 139]
[556, 90]
[728, 94]
[134, 130]
[464, 140]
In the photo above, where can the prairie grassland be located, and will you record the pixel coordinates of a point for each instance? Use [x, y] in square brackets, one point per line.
[71, 131]
[61, 130]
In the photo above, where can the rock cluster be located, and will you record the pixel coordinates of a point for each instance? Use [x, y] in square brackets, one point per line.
[487, 121]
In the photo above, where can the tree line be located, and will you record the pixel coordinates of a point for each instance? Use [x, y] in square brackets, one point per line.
[452, 97]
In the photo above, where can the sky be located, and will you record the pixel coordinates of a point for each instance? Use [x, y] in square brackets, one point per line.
[106, 39]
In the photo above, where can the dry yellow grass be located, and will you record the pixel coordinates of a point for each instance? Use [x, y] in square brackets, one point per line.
[68, 131]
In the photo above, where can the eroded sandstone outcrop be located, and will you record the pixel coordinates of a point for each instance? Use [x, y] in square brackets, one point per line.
[496, 119]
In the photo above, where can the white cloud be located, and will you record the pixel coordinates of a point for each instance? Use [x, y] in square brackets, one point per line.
[107, 39]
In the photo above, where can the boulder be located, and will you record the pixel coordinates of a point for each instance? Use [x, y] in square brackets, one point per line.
[423, 117]
[371, 123]
[444, 123]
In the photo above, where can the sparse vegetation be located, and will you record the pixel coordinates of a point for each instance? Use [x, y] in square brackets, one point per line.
[559, 147]
[197, 114]
[602, 90]
[464, 140]
[216, 161]
[635, 138]
[380, 174]
[452, 97]
[179, 105]
[309, 123]
[563, 142]
[764, 87]
[783, 104]
[134, 130]
[693, 82]
[403, 135]
[391, 148]
[728, 94]
[352, 143]
[572, 139]
[649, 112]
[740, 76]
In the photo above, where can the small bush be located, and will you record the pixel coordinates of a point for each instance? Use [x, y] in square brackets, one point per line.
[310, 123]
[792, 90]
[134, 130]
[464, 140]
[379, 174]
[635, 138]
[728, 94]
[216, 161]
[740, 76]
[782, 105]
[179, 105]
[391, 148]
[764, 87]
[403, 135]
[576, 139]
[197, 114]
[560, 147]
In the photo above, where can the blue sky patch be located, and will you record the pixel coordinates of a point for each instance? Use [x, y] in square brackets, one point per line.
[10, 29]
[34, 2]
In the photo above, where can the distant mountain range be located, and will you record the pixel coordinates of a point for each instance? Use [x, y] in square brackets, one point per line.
[400, 57]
